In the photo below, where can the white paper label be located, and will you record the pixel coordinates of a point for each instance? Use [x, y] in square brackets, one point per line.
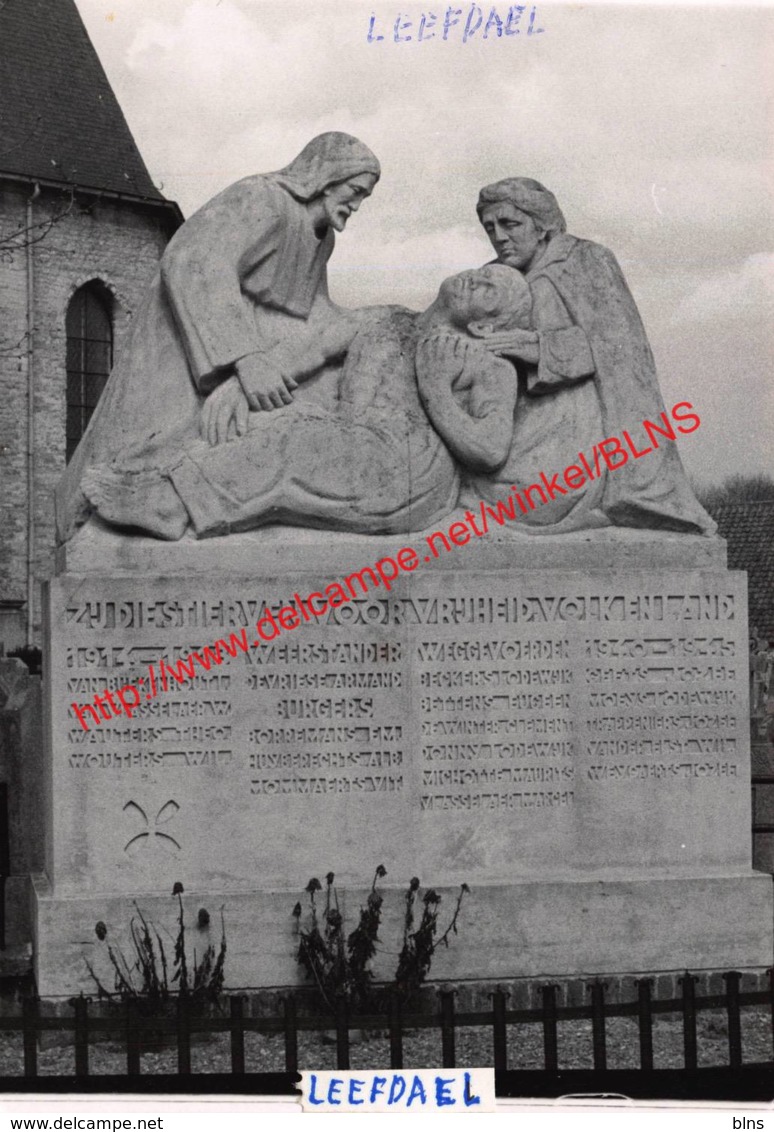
[399, 1090]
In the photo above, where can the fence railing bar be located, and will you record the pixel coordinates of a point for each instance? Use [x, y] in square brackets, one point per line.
[291, 1033]
[316, 1023]
[550, 1039]
[690, 1052]
[183, 1037]
[448, 1053]
[618, 1010]
[65, 1024]
[754, 998]
[732, 980]
[81, 1006]
[598, 1040]
[645, 1021]
[30, 1011]
[342, 1034]
[237, 1010]
[499, 1032]
[132, 1039]
[274, 1024]
[396, 1031]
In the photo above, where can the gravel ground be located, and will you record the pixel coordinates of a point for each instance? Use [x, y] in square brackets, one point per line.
[422, 1048]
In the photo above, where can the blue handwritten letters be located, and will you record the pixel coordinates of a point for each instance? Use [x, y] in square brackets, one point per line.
[453, 1090]
[460, 24]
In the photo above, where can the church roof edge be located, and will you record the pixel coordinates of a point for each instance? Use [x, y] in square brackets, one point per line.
[60, 122]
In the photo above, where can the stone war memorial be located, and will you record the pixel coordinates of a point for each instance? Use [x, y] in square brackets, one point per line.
[474, 624]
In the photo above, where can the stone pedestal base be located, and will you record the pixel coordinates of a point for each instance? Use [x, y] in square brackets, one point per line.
[533, 930]
[562, 724]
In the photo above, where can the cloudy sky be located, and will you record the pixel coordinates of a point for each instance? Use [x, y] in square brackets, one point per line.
[651, 124]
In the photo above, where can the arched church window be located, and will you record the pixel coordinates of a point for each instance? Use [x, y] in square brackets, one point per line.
[89, 327]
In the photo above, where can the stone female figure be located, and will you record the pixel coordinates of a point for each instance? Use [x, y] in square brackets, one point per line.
[586, 372]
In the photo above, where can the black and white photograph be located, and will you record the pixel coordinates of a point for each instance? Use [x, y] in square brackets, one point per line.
[387, 553]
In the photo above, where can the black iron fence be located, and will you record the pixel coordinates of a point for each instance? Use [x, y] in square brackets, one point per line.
[732, 1080]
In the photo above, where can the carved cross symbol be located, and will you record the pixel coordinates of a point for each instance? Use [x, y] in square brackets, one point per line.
[152, 834]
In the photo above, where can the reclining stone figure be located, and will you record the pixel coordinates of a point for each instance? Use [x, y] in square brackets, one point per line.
[373, 462]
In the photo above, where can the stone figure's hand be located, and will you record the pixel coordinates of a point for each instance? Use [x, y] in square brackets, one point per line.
[441, 358]
[264, 385]
[521, 344]
[225, 412]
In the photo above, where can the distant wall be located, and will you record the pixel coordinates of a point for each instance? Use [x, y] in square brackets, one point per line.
[117, 242]
[21, 777]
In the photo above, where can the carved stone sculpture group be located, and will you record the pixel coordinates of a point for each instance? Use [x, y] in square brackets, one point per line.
[245, 396]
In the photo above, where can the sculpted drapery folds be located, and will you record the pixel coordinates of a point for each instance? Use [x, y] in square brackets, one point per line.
[244, 276]
[512, 371]
[586, 373]
[416, 390]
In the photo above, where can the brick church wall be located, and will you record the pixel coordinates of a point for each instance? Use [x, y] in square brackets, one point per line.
[115, 241]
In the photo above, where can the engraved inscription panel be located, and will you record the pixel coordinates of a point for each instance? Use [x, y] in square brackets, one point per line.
[477, 726]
